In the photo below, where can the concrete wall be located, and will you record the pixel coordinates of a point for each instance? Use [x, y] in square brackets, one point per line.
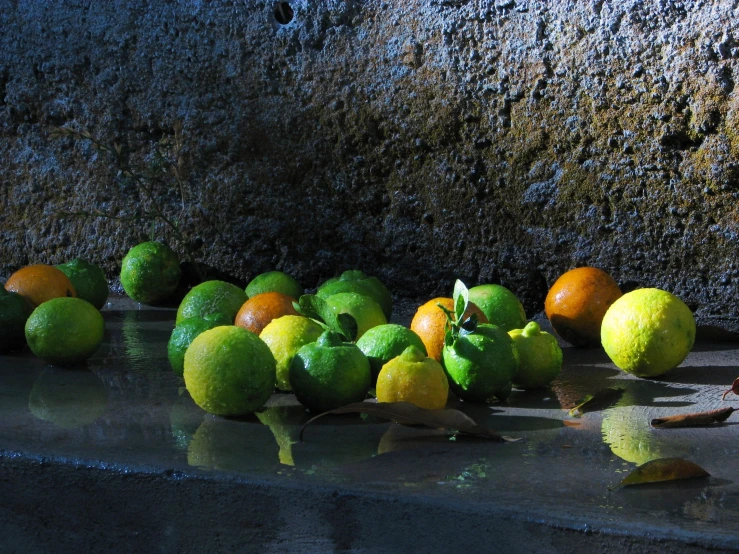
[496, 141]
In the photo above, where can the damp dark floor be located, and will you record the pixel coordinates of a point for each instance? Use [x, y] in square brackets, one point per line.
[77, 442]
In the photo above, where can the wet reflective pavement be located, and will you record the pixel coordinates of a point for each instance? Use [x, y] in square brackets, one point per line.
[126, 412]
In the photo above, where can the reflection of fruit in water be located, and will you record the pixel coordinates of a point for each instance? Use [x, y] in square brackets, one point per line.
[338, 440]
[184, 418]
[143, 344]
[68, 398]
[285, 431]
[232, 445]
[627, 431]
[398, 438]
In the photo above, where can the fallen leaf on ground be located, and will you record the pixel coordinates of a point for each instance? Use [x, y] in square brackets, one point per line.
[663, 469]
[406, 413]
[734, 388]
[601, 400]
[691, 420]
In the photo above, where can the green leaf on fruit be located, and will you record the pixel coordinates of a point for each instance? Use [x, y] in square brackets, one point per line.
[461, 299]
[406, 413]
[604, 398]
[316, 308]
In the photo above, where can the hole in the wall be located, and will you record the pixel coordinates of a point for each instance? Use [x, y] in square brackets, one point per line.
[283, 13]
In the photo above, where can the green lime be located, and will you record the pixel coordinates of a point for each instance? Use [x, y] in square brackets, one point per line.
[413, 377]
[211, 297]
[539, 354]
[65, 331]
[88, 280]
[285, 336]
[150, 272]
[14, 311]
[67, 398]
[329, 373]
[366, 312]
[229, 371]
[384, 342]
[356, 281]
[185, 332]
[648, 332]
[499, 305]
[274, 281]
[481, 364]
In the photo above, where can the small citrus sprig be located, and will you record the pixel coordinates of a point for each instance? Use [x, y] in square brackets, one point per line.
[316, 308]
[456, 325]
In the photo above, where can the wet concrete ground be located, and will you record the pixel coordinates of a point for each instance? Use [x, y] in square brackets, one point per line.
[116, 456]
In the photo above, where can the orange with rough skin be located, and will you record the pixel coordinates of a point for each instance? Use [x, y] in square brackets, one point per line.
[39, 283]
[256, 313]
[429, 323]
[577, 302]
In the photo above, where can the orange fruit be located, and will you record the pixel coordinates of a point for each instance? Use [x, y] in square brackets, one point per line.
[577, 302]
[256, 313]
[429, 323]
[39, 283]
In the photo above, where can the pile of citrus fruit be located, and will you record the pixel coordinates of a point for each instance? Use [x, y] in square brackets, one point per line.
[55, 310]
[234, 347]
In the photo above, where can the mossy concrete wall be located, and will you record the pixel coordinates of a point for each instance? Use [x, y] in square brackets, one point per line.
[496, 141]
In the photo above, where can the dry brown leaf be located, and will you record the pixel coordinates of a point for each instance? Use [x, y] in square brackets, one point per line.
[695, 419]
[406, 413]
[663, 469]
[734, 388]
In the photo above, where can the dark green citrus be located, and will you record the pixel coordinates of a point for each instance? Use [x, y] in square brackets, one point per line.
[211, 297]
[480, 365]
[356, 281]
[150, 272]
[329, 373]
[14, 311]
[274, 281]
[89, 281]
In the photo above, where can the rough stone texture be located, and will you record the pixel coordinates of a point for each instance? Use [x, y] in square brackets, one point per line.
[496, 141]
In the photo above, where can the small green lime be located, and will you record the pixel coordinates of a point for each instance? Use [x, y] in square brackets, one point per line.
[329, 373]
[500, 306]
[413, 377]
[274, 281]
[150, 272]
[285, 336]
[229, 371]
[185, 332]
[211, 297]
[539, 354]
[65, 331]
[384, 342]
[356, 281]
[648, 332]
[89, 281]
[481, 365]
[366, 312]
[14, 311]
